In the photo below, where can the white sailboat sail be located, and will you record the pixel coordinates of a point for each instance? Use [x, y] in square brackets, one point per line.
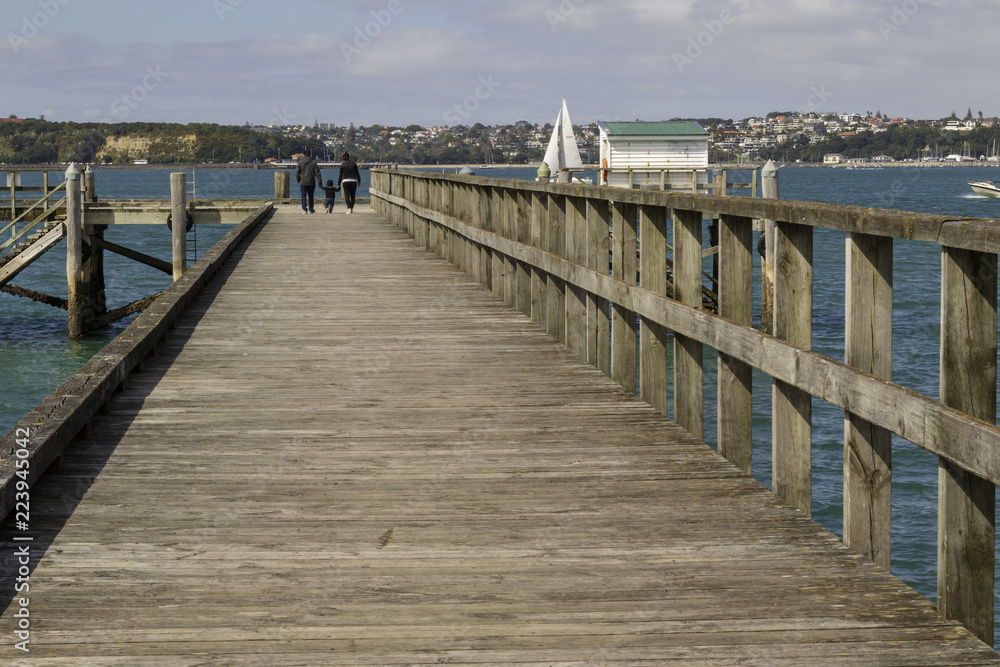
[562, 151]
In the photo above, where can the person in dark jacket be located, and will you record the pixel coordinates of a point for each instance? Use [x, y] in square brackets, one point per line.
[350, 176]
[307, 175]
[331, 191]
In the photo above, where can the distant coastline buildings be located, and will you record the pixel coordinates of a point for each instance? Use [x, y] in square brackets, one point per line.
[749, 139]
[795, 136]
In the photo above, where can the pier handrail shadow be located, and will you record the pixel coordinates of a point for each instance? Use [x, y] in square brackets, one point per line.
[544, 248]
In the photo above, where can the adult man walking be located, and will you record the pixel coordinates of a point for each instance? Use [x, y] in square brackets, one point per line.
[307, 175]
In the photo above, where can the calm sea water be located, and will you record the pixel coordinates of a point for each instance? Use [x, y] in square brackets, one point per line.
[36, 356]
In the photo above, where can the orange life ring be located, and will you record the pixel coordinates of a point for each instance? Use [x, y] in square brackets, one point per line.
[604, 171]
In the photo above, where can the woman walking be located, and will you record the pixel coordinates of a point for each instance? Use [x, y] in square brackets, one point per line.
[350, 176]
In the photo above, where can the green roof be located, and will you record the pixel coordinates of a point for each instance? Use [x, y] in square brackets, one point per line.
[671, 128]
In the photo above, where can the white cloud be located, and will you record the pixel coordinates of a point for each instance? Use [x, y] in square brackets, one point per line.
[610, 59]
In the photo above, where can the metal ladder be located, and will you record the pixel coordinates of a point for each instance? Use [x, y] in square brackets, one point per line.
[192, 243]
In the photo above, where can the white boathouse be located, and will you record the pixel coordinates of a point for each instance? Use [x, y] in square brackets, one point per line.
[669, 155]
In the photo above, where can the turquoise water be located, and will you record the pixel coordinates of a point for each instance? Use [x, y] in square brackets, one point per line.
[36, 356]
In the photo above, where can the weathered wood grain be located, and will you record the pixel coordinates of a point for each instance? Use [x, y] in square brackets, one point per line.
[652, 334]
[689, 386]
[58, 420]
[576, 297]
[967, 503]
[981, 234]
[598, 309]
[416, 474]
[970, 443]
[792, 407]
[868, 347]
[556, 236]
[735, 405]
[624, 266]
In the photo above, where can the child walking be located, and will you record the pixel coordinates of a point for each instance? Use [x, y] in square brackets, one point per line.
[331, 191]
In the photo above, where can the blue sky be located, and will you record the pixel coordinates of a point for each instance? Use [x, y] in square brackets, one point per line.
[440, 62]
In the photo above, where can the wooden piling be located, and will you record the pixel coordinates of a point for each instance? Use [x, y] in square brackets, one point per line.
[74, 254]
[88, 185]
[178, 212]
[282, 181]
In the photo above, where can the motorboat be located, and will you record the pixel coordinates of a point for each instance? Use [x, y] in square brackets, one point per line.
[986, 188]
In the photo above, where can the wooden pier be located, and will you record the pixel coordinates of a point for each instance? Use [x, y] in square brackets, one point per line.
[325, 445]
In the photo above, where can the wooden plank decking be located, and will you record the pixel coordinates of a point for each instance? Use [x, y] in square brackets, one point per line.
[349, 453]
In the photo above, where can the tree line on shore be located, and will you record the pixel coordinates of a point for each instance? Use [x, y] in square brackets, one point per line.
[37, 141]
[900, 142]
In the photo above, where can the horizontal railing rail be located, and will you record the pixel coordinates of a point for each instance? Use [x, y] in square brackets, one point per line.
[545, 249]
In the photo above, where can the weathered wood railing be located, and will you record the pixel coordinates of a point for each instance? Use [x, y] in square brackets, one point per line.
[30, 222]
[544, 248]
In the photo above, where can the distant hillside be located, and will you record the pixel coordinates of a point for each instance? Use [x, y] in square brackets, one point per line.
[38, 141]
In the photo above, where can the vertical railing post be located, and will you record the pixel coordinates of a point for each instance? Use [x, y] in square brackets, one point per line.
[475, 212]
[868, 347]
[556, 298]
[523, 229]
[653, 336]
[13, 181]
[486, 254]
[769, 179]
[598, 309]
[576, 298]
[498, 280]
[967, 503]
[538, 291]
[440, 236]
[735, 405]
[689, 410]
[791, 407]
[624, 260]
[509, 211]
[178, 215]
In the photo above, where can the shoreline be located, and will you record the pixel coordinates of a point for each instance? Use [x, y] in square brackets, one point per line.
[747, 166]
